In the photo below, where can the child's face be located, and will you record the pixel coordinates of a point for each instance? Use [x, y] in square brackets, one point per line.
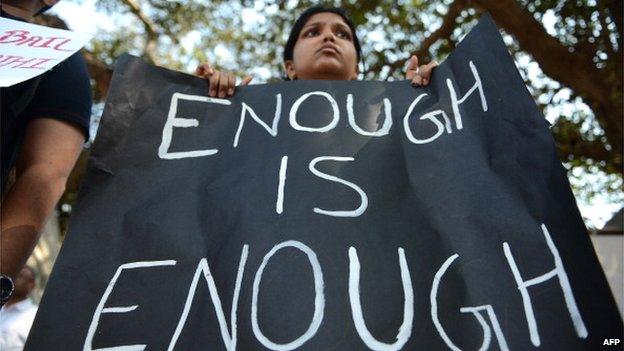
[324, 50]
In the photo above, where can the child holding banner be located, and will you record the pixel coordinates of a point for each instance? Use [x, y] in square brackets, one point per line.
[323, 44]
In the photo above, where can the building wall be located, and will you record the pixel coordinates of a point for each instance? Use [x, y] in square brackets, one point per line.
[610, 251]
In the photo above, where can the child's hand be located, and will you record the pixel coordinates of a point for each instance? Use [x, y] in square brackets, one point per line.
[419, 75]
[220, 84]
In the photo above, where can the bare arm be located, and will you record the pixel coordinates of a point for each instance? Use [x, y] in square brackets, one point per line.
[49, 152]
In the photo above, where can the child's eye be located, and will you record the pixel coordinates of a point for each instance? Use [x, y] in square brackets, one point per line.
[311, 33]
[343, 34]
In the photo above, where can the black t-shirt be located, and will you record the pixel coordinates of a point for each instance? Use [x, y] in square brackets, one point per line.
[63, 93]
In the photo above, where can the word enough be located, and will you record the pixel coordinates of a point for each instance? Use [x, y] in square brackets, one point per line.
[484, 314]
[173, 121]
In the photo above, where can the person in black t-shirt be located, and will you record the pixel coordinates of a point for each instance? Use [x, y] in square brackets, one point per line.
[45, 122]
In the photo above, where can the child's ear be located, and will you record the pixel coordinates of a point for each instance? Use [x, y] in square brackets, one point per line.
[289, 66]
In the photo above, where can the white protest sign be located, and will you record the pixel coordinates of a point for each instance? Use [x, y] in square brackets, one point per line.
[28, 50]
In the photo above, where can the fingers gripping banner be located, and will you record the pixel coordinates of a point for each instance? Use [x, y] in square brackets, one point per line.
[318, 215]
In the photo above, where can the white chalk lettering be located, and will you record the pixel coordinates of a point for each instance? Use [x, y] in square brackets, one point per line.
[487, 334]
[385, 128]
[247, 109]
[560, 273]
[319, 300]
[405, 331]
[229, 339]
[433, 299]
[363, 198]
[476, 311]
[177, 122]
[295, 108]
[455, 102]
[99, 310]
[430, 116]
[279, 205]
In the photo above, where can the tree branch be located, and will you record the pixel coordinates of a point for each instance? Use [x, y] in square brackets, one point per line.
[443, 32]
[166, 29]
[572, 146]
[151, 29]
[599, 88]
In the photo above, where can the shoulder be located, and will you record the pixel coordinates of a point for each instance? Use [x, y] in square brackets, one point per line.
[72, 70]
[64, 93]
[75, 64]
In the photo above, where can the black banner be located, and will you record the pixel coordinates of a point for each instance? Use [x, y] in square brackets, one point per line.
[325, 215]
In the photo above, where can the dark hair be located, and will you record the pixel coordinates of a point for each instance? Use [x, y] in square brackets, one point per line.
[303, 19]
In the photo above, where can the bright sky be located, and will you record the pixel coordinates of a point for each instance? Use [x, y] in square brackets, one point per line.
[84, 18]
